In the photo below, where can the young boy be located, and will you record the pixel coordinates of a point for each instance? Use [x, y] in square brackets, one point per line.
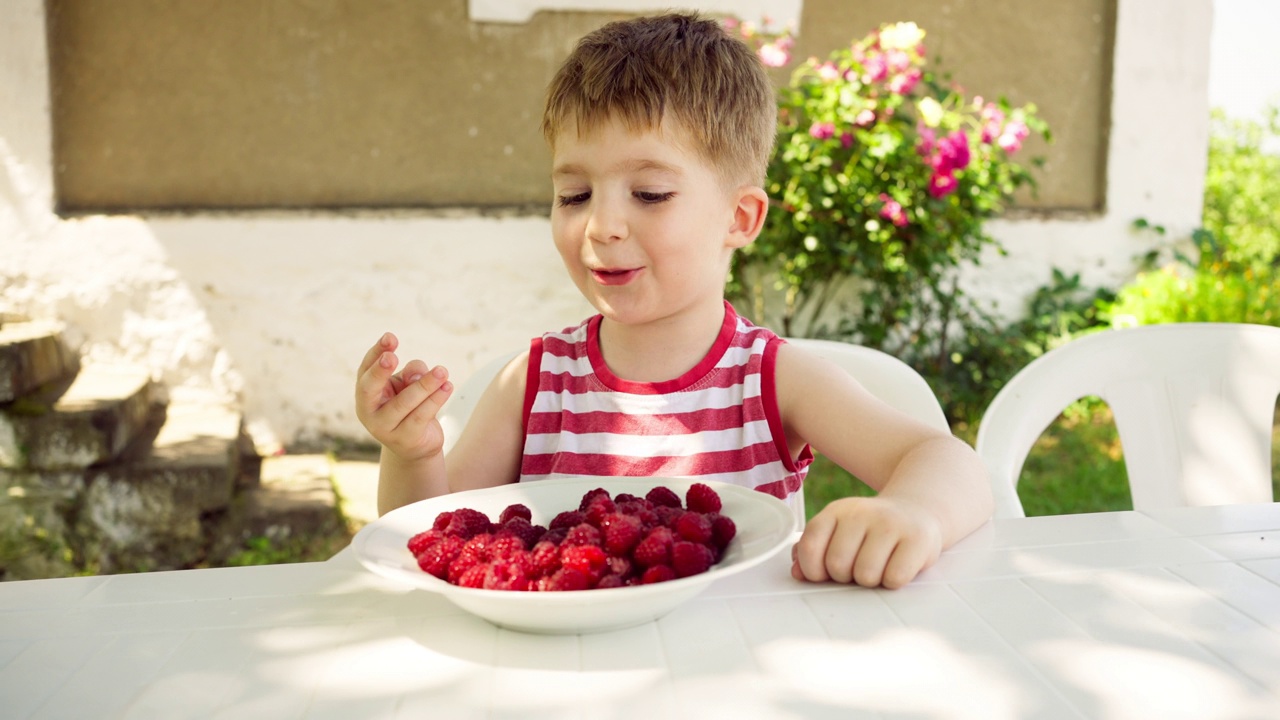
[660, 130]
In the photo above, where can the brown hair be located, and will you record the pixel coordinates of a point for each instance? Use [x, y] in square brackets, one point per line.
[682, 64]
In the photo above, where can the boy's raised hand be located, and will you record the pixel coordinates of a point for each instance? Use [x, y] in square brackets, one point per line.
[399, 409]
[871, 541]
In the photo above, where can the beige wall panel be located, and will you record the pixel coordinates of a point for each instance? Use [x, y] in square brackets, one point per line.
[235, 104]
[1056, 55]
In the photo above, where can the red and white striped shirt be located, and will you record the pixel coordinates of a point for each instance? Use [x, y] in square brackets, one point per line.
[719, 421]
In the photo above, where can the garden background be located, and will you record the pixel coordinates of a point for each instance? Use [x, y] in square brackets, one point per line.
[242, 196]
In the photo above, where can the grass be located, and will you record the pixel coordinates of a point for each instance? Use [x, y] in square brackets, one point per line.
[1077, 466]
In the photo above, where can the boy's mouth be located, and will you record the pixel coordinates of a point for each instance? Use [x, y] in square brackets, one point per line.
[615, 276]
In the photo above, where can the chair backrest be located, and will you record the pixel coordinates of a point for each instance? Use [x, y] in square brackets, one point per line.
[1193, 403]
[453, 416]
[885, 376]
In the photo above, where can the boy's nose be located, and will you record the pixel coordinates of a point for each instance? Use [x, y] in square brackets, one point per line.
[606, 223]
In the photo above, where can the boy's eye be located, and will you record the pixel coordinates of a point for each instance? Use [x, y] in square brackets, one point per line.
[652, 198]
[574, 199]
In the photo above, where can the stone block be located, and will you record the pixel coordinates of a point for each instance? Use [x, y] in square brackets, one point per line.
[295, 498]
[158, 507]
[33, 355]
[36, 537]
[104, 411]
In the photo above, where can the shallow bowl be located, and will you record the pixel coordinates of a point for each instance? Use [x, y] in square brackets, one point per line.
[765, 525]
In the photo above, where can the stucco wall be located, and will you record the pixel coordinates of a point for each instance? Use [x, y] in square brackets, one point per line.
[278, 307]
[170, 104]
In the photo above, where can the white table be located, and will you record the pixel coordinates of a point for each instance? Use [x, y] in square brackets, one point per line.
[1172, 614]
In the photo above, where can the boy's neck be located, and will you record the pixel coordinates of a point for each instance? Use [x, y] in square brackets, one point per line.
[661, 350]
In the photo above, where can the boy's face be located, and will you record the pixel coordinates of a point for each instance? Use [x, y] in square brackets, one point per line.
[645, 225]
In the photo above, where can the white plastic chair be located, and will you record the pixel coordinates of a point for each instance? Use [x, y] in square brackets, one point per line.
[885, 376]
[1193, 403]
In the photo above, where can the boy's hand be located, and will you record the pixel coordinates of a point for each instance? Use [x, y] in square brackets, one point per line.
[870, 541]
[399, 408]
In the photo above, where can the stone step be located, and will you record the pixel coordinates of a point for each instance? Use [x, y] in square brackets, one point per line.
[32, 356]
[296, 499]
[161, 504]
[104, 410]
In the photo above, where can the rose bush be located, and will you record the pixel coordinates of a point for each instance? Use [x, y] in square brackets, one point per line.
[882, 178]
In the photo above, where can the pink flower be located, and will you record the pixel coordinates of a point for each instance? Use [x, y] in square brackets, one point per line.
[1011, 139]
[773, 55]
[898, 61]
[822, 130]
[953, 153]
[876, 69]
[846, 140]
[828, 71]
[892, 210]
[904, 83]
[865, 117]
[941, 184]
[925, 144]
[992, 120]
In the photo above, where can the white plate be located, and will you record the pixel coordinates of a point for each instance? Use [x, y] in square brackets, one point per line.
[764, 523]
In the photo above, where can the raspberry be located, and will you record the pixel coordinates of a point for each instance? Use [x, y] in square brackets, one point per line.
[564, 579]
[423, 540]
[555, 536]
[474, 576]
[442, 521]
[619, 565]
[586, 559]
[600, 506]
[612, 580]
[722, 530]
[545, 557]
[648, 519]
[694, 527]
[521, 528]
[503, 547]
[690, 558]
[655, 549]
[657, 574]
[583, 534]
[700, 497]
[590, 496]
[621, 533]
[625, 497]
[662, 495]
[467, 523]
[478, 547]
[567, 519]
[460, 566]
[437, 558]
[509, 574]
[516, 510]
[668, 515]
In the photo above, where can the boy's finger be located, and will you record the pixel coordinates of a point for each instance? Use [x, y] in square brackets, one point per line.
[415, 393]
[371, 383]
[873, 558]
[907, 561]
[811, 549]
[414, 423]
[386, 343]
[845, 546]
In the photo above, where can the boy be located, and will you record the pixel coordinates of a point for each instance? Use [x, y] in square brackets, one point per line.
[660, 130]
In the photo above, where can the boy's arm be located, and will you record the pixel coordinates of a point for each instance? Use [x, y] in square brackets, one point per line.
[489, 450]
[932, 487]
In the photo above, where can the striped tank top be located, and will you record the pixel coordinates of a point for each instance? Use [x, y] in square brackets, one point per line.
[719, 421]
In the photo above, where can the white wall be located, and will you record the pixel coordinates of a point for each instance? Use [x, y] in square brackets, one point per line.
[277, 309]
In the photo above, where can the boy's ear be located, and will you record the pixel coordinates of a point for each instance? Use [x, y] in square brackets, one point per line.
[748, 215]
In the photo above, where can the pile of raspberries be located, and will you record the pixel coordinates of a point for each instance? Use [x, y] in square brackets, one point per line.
[607, 542]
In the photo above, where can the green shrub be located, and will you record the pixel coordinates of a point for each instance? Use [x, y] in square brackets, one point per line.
[882, 179]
